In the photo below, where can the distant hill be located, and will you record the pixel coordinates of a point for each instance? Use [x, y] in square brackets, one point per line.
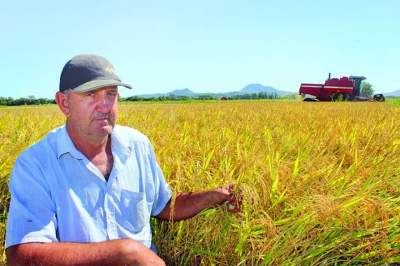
[248, 89]
[258, 88]
[392, 94]
[183, 92]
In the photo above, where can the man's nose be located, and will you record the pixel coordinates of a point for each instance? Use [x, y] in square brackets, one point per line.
[104, 103]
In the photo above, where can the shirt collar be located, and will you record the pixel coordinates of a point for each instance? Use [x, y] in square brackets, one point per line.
[65, 145]
[119, 145]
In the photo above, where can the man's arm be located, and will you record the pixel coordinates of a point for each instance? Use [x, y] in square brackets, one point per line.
[188, 204]
[114, 252]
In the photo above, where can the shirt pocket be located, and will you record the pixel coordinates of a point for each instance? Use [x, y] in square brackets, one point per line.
[134, 211]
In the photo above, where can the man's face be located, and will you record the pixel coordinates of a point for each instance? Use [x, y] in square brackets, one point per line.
[93, 113]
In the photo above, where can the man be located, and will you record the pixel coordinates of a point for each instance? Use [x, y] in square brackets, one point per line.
[85, 193]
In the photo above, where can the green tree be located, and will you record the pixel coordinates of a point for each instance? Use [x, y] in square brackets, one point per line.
[366, 89]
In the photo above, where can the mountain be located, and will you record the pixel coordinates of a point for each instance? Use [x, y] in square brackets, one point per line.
[393, 93]
[248, 89]
[258, 88]
[184, 92]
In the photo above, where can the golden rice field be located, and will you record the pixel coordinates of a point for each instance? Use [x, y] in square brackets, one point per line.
[320, 181]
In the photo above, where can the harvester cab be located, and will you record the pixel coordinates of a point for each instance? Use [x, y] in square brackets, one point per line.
[357, 85]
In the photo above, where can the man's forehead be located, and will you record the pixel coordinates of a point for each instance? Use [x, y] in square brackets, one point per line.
[107, 88]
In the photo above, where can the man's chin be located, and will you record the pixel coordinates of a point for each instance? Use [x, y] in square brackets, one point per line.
[103, 130]
[106, 129]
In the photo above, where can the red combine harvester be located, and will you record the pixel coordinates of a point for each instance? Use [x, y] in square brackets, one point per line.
[345, 88]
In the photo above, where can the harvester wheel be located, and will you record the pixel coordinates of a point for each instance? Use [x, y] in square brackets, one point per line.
[336, 97]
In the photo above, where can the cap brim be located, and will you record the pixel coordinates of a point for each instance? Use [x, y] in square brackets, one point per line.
[99, 83]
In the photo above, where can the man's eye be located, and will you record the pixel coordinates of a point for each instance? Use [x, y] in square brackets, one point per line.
[112, 93]
[89, 94]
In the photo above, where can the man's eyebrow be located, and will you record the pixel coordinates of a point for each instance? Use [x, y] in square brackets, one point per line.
[85, 92]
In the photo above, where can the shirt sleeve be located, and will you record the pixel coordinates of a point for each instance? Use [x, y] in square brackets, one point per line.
[31, 216]
[163, 193]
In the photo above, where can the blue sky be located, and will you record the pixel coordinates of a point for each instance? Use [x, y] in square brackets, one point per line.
[207, 46]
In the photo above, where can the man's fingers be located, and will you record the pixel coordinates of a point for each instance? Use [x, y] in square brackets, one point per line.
[235, 201]
[233, 197]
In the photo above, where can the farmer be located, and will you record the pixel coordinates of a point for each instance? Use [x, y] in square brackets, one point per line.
[84, 194]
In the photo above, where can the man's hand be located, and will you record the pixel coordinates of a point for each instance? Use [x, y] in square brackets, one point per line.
[188, 204]
[232, 198]
[134, 254]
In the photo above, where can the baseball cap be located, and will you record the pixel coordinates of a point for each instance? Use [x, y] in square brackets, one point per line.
[87, 72]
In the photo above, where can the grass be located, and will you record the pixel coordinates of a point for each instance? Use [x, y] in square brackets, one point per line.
[394, 101]
[320, 181]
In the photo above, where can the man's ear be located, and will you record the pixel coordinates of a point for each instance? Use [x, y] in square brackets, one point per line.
[62, 102]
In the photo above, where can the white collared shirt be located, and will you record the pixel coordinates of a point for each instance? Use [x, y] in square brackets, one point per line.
[58, 195]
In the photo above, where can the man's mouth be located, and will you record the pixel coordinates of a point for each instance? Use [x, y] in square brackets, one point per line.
[102, 119]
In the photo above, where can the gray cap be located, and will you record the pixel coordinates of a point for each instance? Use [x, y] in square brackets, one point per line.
[88, 72]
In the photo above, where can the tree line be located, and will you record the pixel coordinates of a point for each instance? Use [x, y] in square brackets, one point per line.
[31, 100]
[260, 95]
